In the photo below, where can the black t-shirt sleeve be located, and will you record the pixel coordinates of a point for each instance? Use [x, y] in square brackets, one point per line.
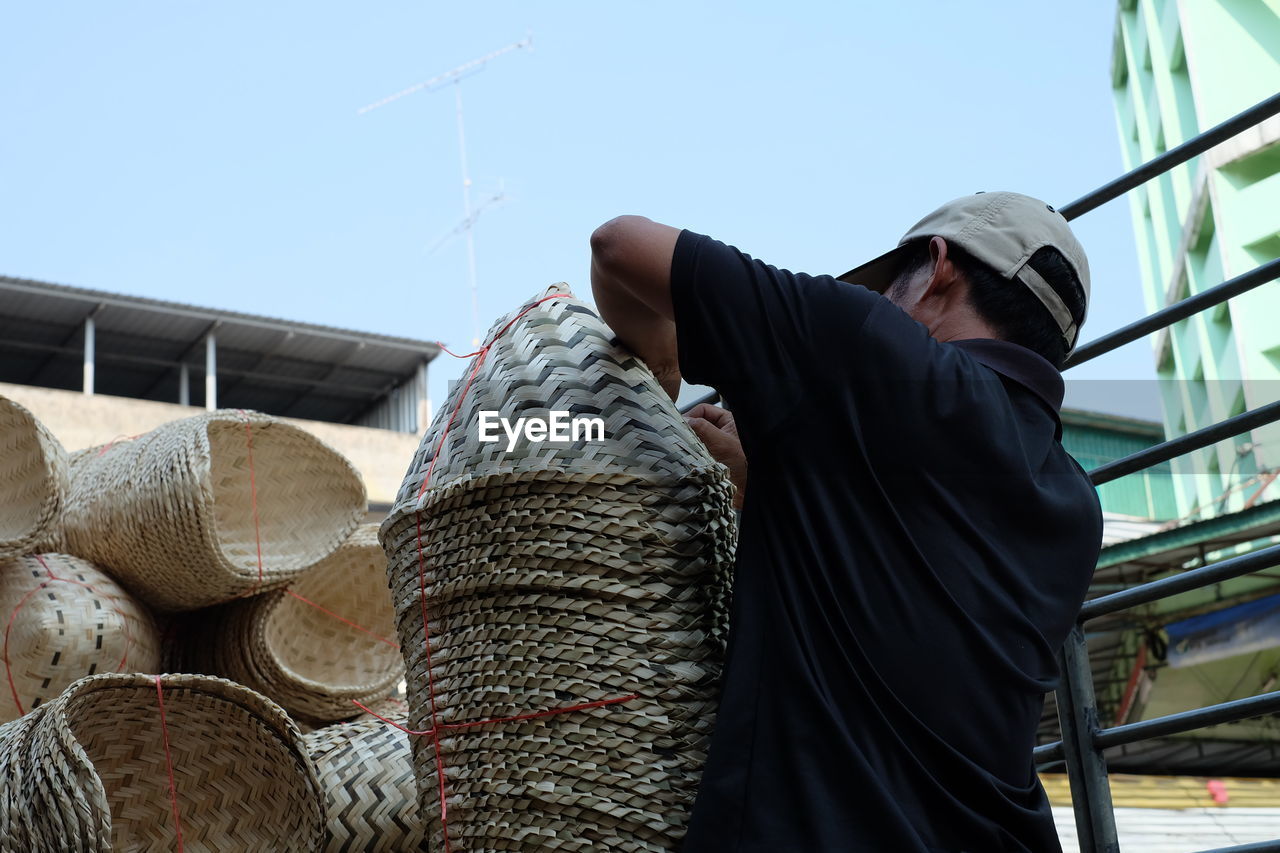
[762, 336]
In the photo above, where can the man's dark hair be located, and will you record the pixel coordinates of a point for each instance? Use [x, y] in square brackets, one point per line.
[1016, 314]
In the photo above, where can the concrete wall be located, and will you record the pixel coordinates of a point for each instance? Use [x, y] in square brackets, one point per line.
[81, 421]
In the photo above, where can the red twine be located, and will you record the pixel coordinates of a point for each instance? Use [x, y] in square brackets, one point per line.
[168, 764]
[112, 443]
[342, 619]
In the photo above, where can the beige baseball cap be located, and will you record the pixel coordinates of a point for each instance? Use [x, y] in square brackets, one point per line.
[1003, 230]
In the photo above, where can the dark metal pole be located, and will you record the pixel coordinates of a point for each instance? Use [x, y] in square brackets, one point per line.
[1086, 768]
[1173, 157]
[1172, 724]
[1048, 752]
[713, 397]
[1158, 453]
[1178, 311]
[1222, 570]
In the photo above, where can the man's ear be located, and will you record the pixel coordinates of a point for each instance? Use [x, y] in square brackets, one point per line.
[944, 273]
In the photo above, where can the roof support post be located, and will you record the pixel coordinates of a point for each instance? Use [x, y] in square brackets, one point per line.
[184, 385]
[424, 397]
[89, 354]
[211, 371]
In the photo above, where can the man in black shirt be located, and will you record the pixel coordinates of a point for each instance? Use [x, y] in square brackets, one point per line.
[915, 542]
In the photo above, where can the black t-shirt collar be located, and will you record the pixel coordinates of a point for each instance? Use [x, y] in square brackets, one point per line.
[1020, 364]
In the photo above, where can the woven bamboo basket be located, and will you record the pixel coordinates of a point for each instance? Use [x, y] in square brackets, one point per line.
[210, 508]
[366, 772]
[317, 646]
[89, 771]
[33, 480]
[65, 620]
[557, 575]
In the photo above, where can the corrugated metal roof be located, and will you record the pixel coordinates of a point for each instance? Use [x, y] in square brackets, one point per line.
[66, 310]
[272, 365]
[1118, 528]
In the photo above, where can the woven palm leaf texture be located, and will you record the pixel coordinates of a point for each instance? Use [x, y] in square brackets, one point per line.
[557, 575]
[325, 641]
[366, 771]
[66, 619]
[33, 480]
[91, 769]
[205, 509]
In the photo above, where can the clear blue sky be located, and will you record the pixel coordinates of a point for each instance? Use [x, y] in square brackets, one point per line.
[211, 153]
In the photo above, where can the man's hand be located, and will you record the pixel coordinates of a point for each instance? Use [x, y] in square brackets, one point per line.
[719, 433]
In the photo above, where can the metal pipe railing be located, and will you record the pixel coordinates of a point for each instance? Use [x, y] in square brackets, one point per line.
[713, 397]
[1197, 144]
[1186, 721]
[1234, 567]
[1197, 440]
[1171, 314]
[1048, 752]
[1081, 747]
[1171, 724]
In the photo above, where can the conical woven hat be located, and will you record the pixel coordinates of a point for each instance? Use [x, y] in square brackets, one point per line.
[33, 480]
[90, 770]
[315, 647]
[366, 772]
[203, 510]
[588, 575]
[65, 620]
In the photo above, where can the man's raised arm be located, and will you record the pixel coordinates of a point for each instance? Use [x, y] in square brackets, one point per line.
[631, 281]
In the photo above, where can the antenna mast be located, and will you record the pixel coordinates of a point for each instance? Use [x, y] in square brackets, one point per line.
[455, 76]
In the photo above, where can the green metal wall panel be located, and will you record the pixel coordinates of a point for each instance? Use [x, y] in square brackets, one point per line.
[1095, 439]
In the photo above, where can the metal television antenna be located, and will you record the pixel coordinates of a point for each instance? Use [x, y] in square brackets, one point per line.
[455, 77]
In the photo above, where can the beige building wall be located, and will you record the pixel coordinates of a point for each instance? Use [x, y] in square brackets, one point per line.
[79, 421]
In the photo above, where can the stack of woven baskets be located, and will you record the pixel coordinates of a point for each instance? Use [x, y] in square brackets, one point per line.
[562, 606]
[240, 534]
[560, 609]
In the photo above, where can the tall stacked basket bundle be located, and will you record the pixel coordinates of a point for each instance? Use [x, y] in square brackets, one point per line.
[95, 770]
[553, 576]
[65, 619]
[206, 509]
[316, 647]
[33, 480]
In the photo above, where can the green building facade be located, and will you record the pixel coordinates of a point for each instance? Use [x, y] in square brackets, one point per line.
[1095, 439]
[1180, 67]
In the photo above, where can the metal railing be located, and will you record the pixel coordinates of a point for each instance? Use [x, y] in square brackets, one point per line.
[1083, 737]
